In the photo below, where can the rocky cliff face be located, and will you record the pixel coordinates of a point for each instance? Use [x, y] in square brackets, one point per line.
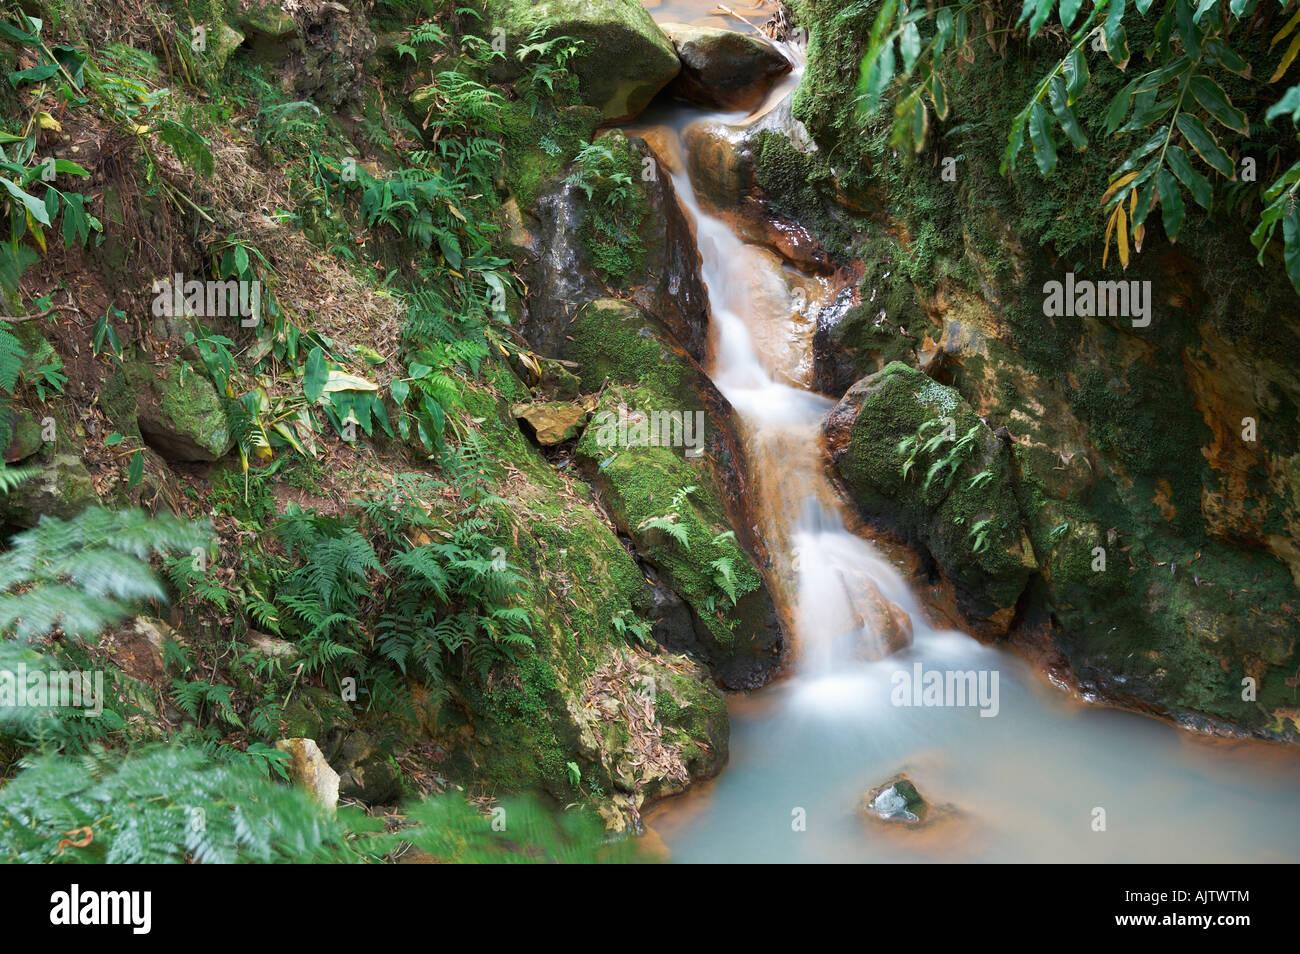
[1144, 480]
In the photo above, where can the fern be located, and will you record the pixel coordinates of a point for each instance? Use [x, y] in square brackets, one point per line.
[83, 574]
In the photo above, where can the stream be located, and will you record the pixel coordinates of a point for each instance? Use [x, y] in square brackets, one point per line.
[1024, 784]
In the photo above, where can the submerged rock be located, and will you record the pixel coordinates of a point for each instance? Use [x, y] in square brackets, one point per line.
[896, 801]
[724, 68]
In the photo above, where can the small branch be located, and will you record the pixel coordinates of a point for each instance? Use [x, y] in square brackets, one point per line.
[17, 319]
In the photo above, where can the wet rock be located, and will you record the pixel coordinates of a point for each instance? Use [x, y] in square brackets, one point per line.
[625, 59]
[721, 168]
[183, 420]
[309, 771]
[666, 281]
[552, 423]
[896, 801]
[655, 492]
[886, 626]
[724, 68]
[950, 487]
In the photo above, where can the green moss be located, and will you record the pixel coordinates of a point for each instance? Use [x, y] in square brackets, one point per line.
[538, 146]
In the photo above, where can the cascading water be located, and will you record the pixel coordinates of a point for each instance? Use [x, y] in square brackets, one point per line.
[1026, 769]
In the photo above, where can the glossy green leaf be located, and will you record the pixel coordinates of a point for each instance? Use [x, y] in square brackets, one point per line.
[1040, 135]
[1172, 210]
[1206, 146]
[1196, 184]
[1215, 101]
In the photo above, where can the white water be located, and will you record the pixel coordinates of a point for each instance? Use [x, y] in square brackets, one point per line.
[1025, 783]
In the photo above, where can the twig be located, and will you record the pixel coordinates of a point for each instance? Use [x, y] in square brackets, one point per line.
[16, 319]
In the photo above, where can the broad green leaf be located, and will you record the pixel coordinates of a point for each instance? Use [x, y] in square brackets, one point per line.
[1116, 37]
[1219, 52]
[135, 472]
[1172, 210]
[1119, 107]
[1211, 96]
[1289, 103]
[35, 206]
[1187, 29]
[909, 44]
[1069, 10]
[1196, 184]
[34, 75]
[1291, 237]
[1076, 75]
[400, 390]
[315, 375]
[1040, 135]
[1206, 146]
[1064, 114]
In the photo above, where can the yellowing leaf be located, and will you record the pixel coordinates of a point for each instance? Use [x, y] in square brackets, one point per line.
[36, 232]
[1121, 235]
[49, 122]
[1110, 227]
[1282, 33]
[1118, 184]
[342, 381]
[1287, 58]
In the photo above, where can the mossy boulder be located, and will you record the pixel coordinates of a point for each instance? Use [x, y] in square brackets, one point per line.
[655, 470]
[724, 68]
[916, 456]
[178, 411]
[625, 58]
[63, 489]
[648, 252]
[21, 435]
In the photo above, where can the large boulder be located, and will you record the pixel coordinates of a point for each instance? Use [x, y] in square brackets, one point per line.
[723, 68]
[917, 457]
[683, 507]
[625, 58]
[178, 412]
[664, 276]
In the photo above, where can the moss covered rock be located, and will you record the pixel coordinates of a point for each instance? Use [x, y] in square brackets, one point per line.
[625, 59]
[178, 411]
[650, 450]
[915, 455]
[63, 490]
